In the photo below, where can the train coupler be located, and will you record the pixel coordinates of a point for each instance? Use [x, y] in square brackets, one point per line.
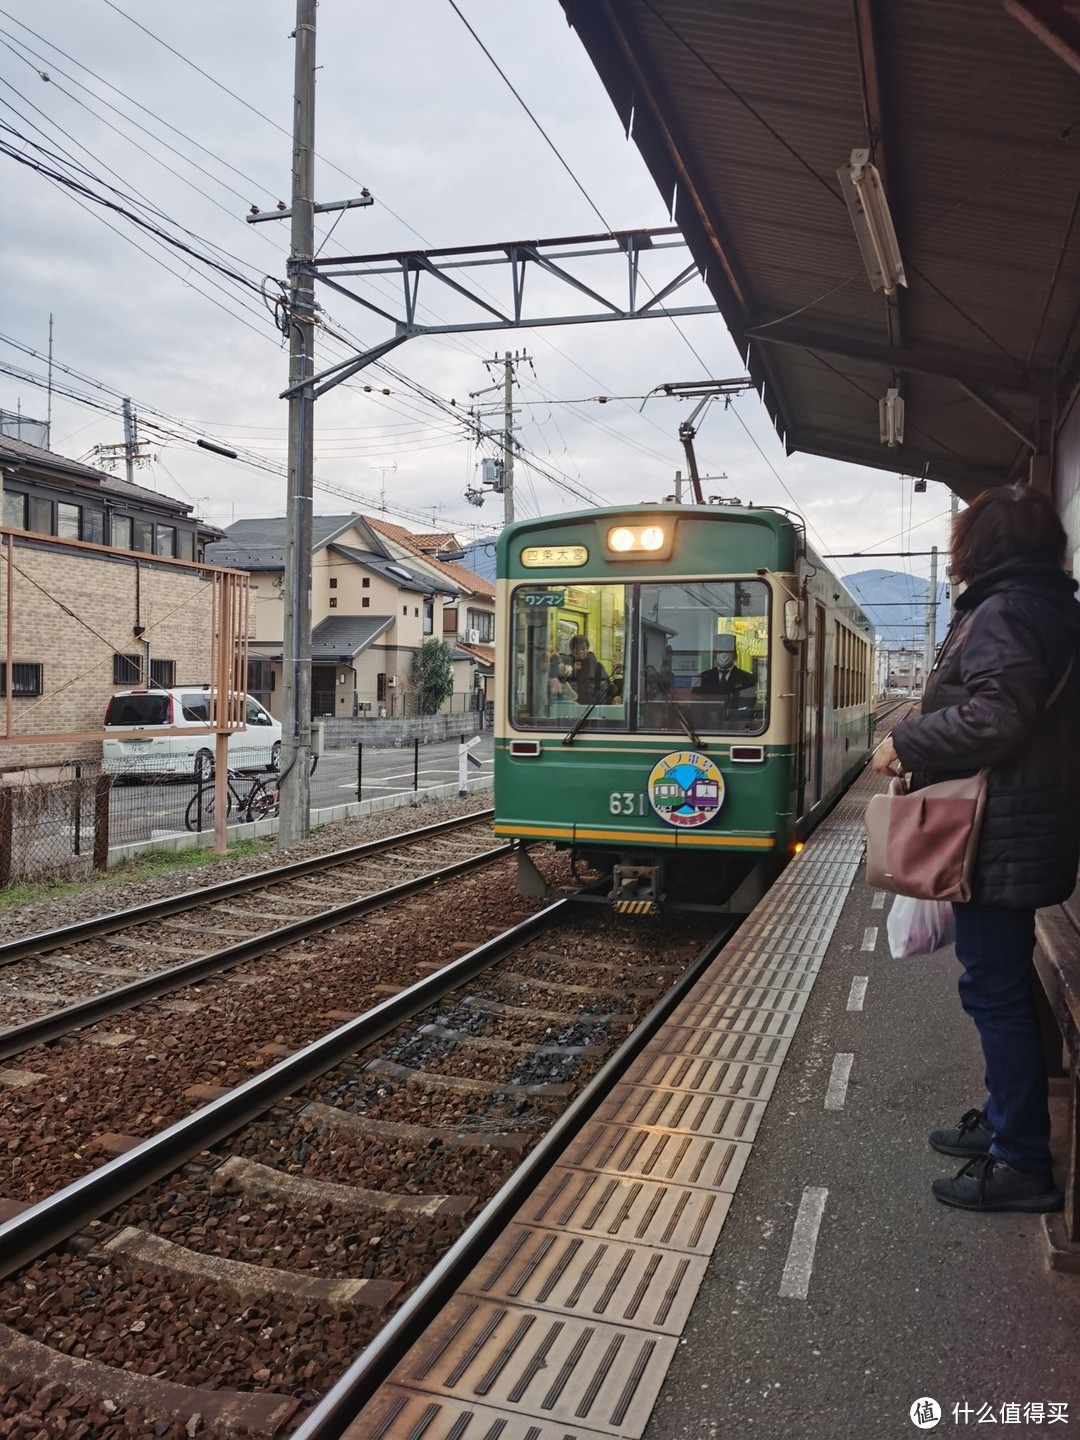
[635, 889]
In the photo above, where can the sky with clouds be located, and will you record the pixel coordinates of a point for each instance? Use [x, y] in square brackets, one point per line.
[185, 110]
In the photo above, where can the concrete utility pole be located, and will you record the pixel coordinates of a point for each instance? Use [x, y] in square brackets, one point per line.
[130, 442]
[296, 648]
[508, 439]
[931, 619]
[954, 588]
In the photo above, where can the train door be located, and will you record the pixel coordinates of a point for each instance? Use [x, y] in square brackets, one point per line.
[814, 712]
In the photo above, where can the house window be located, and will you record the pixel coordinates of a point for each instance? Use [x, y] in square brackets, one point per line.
[365, 583]
[127, 669]
[482, 622]
[449, 620]
[123, 532]
[144, 536]
[69, 521]
[163, 673]
[165, 540]
[25, 679]
[261, 681]
[15, 508]
[333, 582]
[380, 687]
[365, 603]
[185, 545]
[429, 617]
[41, 516]
[404, 610]
[93, 527]
[333, 602]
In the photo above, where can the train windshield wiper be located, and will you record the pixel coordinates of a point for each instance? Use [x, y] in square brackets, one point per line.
[605, 697]
[673, 704]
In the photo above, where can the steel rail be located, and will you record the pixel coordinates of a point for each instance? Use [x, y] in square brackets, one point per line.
[55, 1219]
[188, 972]
[346, 1399]
[192, 899]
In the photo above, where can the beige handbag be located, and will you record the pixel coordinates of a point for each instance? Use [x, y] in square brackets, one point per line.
[924, 844]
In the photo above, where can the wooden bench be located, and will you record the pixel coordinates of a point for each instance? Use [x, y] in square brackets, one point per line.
[1057, 963]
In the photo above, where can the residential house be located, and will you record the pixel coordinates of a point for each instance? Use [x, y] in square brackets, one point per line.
[374, 601]
[97, 599]
[469, 622]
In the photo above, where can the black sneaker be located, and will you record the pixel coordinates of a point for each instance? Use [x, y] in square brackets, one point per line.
[969, 1138]
[987, 1183]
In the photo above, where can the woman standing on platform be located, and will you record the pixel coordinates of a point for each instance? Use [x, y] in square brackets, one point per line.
[1004, 694]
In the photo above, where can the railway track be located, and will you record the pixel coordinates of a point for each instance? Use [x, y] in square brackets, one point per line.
[351, 1170]
[66, 979]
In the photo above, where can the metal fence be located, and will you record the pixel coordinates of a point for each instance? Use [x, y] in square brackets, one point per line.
[54, 827]
[58, 824]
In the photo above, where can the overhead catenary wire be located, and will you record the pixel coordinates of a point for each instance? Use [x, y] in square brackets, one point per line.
[587, 419]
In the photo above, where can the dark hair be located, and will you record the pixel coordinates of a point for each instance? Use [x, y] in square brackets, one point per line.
[1008, 523]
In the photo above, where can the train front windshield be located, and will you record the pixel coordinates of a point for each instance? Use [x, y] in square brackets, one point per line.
[642, 657]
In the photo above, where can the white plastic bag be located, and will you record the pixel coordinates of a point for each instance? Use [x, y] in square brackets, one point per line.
[918, 926]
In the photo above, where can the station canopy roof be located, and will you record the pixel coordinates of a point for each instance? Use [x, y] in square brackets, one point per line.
[744, 112]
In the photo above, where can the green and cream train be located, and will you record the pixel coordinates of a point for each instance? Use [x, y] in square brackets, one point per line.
[682, 692]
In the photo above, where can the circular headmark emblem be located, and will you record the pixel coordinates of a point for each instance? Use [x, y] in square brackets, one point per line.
[685, 789]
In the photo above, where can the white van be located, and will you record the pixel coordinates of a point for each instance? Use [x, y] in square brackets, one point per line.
[256, 748]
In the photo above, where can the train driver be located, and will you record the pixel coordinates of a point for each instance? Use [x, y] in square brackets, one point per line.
[585, 674]
[725, 678]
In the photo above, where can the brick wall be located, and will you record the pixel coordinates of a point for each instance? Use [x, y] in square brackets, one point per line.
[71, 609]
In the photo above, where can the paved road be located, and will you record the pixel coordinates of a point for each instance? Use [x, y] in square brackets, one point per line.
[140, 811]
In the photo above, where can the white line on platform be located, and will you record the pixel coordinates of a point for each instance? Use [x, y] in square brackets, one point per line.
[878, 902]
[838, 1082]
[869, 938]
[795, 1282]
[858, 992]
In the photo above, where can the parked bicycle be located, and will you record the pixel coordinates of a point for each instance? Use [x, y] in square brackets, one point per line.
[254, 797]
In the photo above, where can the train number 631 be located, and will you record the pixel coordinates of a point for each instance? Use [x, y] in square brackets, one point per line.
[625, 802]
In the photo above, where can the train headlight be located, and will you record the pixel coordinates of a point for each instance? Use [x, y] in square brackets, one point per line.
[638, 540]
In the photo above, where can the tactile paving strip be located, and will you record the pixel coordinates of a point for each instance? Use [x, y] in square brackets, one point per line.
[565, 1330]
[593, 1278]
[397, 1414]
[554, 1367]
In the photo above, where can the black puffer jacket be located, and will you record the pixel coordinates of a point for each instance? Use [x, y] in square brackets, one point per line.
[1012, 639]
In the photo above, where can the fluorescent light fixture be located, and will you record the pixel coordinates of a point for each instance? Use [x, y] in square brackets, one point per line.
[869, 211]
[891, 415]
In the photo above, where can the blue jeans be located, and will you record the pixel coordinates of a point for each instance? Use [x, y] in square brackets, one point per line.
[995, 945]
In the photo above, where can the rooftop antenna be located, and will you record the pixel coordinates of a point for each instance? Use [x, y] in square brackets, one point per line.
[383, 470]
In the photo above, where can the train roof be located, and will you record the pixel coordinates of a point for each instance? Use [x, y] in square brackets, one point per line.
[786, 527]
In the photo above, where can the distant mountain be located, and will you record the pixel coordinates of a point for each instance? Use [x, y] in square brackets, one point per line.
[896, 603]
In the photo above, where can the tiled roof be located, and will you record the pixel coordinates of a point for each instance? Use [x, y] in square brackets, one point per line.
[462, 578]
[337, 637]
[484, 653]
[259, 544]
